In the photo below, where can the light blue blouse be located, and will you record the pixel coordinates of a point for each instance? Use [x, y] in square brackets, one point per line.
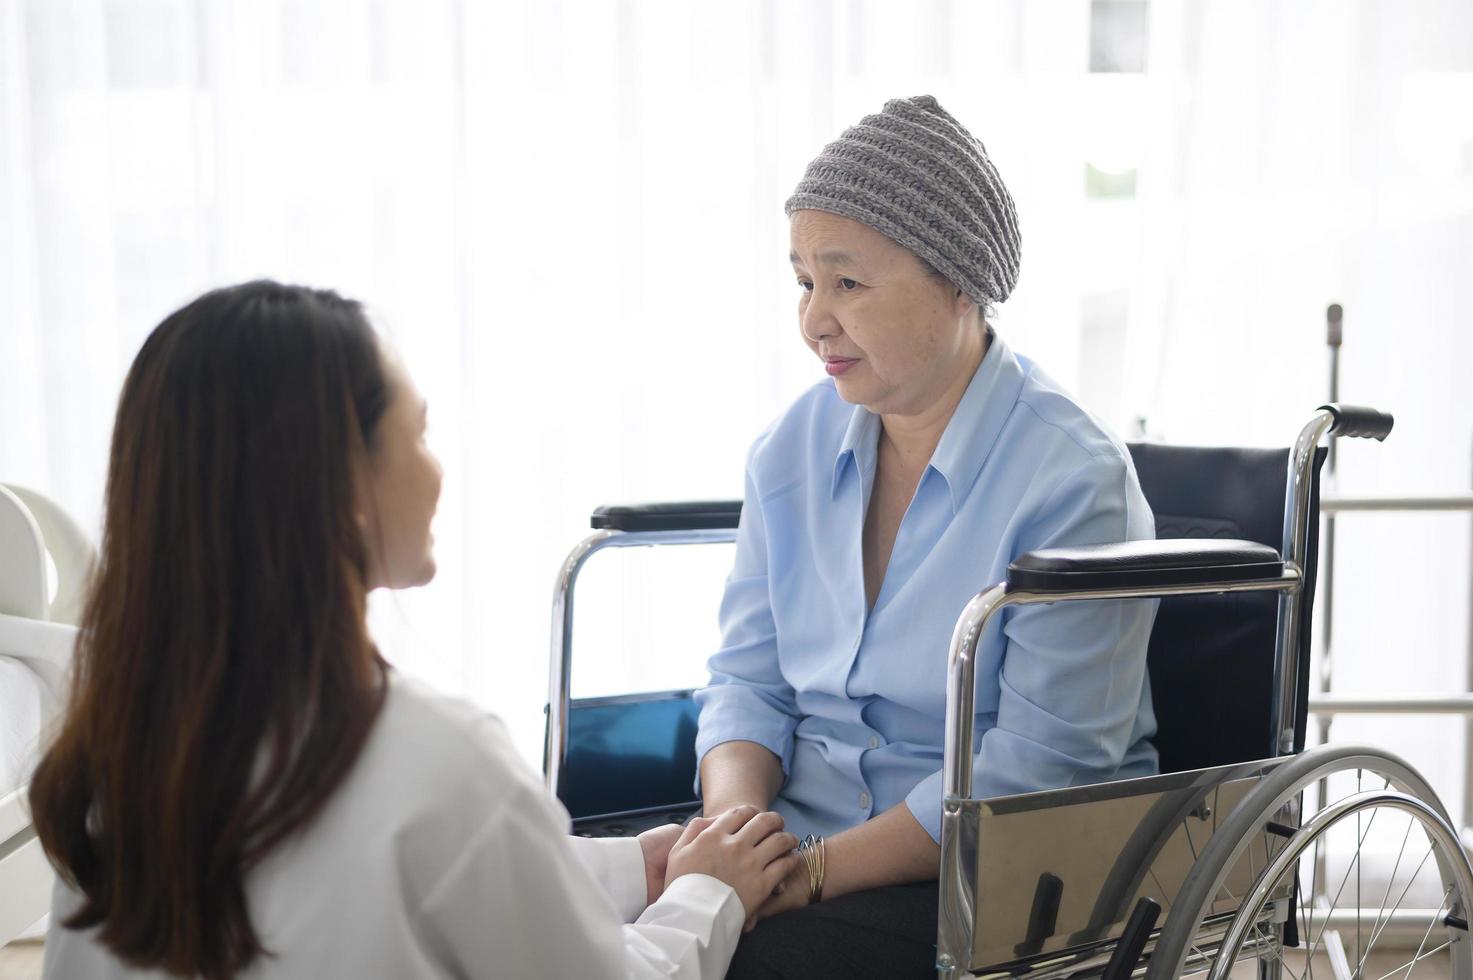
[853, 700]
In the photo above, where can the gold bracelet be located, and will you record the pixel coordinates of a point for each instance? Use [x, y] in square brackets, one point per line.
[813, 852]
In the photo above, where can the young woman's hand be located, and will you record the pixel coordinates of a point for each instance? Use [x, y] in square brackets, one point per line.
[656, 844]
[742, 847]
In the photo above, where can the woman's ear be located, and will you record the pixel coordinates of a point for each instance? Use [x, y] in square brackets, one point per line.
[365, 521]
[962, 304]
[365, 510]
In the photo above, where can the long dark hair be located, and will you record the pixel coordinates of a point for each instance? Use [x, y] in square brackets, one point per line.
[223, 682]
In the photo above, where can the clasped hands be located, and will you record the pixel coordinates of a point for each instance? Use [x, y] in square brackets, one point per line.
[744, 847]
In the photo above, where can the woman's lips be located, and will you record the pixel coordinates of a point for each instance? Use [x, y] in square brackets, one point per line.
[836, 366]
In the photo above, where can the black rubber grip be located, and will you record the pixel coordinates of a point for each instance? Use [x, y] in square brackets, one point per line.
[1144, 565]
[1133, 940]
[1043, 918]
[684, 515]
[1359, 422]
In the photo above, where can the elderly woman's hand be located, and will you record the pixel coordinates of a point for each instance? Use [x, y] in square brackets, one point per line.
[791, 893]
[656, 844]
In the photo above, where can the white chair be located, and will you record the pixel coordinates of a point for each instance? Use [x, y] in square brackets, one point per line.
[37, 633]
[32, 527]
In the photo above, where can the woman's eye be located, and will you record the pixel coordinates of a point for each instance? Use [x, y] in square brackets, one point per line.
[805, 285]
[848, 284]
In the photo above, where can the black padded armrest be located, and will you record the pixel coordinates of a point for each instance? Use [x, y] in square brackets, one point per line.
[1144, 564]
[1359, 422]
[684, 515]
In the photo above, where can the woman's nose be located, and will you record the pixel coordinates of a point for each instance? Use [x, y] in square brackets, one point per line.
[818, 319]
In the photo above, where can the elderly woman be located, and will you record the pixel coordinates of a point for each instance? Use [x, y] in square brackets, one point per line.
[875, 507]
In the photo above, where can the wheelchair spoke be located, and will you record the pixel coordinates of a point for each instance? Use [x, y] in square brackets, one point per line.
[1400, 898]
[1277, 953]
[1380, 923]
[1436, 918]
[1187, 826]
[1160, 888]
[1421, 956]
[1359, 788]
[1376, 934]
[1308, 960]
[1306, 903]
[1358, 868]
[1269, 853]
[1376, 926]
[1412, 963]
[1354, 862]
[1284, 964]
[1207, 961]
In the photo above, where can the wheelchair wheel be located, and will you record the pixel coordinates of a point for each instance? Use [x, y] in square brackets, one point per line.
[1373, 805]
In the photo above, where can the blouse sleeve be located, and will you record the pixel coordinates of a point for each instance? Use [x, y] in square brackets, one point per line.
[517, 901]
[748, 698]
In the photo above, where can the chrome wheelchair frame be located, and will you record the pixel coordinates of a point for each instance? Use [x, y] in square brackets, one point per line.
[1122, 938]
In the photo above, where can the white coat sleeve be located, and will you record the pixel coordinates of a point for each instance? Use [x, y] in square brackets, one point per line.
[616, 863]
[517, 901]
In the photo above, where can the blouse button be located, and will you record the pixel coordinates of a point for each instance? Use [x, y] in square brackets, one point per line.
[874, 741]
[864, 800]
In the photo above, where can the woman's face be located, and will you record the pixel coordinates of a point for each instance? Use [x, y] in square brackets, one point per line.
[893, 336]
[403, 488]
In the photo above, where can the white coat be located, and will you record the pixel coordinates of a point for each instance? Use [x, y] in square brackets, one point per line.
[442, 856]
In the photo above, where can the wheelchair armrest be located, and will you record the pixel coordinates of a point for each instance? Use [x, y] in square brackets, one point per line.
[1144, 564]
[685, 515]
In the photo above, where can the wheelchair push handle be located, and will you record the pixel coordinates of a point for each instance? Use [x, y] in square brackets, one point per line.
[1359, 422]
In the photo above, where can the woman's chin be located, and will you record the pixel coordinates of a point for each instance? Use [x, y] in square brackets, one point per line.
[856, 393]
[850, 391]
[406, 578]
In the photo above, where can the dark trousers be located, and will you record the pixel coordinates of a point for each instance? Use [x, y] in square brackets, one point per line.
[884, 932]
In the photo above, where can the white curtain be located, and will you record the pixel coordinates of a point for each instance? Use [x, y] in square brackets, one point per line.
[568, 218]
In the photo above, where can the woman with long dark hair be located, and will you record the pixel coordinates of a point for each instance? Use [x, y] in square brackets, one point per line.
[241, 786]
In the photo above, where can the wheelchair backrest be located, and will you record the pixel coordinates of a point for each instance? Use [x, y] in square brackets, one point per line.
[629, 754]
[1211, 657]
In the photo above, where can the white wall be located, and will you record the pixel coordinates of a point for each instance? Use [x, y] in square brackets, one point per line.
[567, 215]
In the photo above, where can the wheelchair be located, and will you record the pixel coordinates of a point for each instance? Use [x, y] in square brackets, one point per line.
[1222, 858]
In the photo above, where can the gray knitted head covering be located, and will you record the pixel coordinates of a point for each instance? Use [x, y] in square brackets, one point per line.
[914, 174]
